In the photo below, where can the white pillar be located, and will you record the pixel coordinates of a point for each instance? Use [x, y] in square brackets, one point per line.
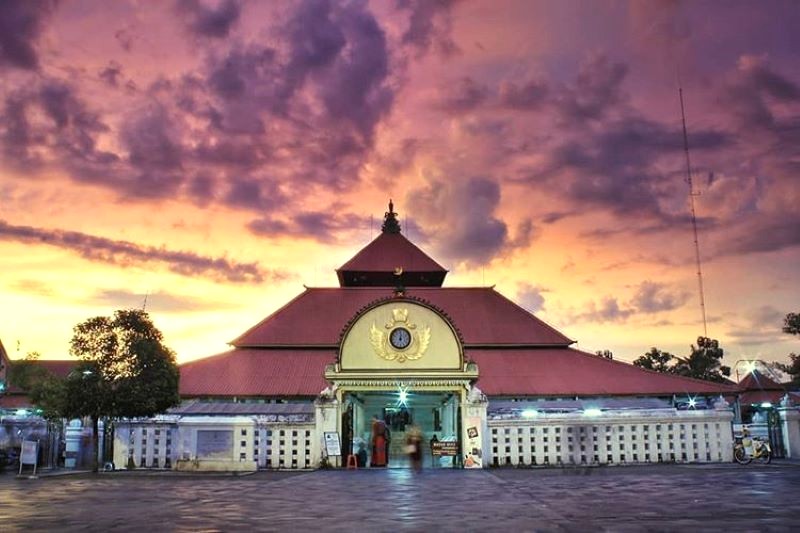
[790, 428]
[327, 419]
[476, 448]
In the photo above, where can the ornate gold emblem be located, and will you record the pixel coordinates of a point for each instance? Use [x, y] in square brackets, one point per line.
[403, 341]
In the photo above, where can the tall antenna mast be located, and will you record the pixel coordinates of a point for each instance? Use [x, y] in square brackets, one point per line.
[692, 194]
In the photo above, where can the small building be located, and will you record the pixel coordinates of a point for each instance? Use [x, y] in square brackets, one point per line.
[393, 347]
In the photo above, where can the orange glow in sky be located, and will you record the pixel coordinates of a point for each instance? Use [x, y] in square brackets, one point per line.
[212, 157]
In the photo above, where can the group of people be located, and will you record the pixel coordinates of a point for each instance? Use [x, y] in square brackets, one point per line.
[381, 439]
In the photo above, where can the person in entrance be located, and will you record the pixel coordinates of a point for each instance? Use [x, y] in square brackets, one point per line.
[380, 443]
[414, 447]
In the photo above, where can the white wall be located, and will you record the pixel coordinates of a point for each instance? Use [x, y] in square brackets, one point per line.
[620, 437]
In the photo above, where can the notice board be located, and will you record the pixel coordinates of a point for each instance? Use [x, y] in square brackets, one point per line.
[332, 445]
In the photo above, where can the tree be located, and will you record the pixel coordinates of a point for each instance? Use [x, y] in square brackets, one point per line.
[656, 360]
[125, 371]
[791, 324]
[704, 362]
[608, 354]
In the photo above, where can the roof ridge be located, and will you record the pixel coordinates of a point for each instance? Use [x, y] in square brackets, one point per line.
[662, 374]
[515, 304]
[268, 317]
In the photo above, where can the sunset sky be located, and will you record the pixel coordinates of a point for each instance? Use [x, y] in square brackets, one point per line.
[218, 155]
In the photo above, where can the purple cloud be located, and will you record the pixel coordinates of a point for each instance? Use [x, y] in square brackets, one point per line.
[206, 21]
[20, 25]
[429, 25]
[124, 254]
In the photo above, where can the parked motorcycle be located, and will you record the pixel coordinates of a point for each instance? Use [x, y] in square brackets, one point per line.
[749, 448]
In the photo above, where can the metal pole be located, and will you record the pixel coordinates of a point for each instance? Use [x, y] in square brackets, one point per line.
[694, 217]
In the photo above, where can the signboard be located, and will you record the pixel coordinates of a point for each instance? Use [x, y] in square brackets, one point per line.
[444, 448]
[28, 455]
[332, 445]
[473, 454]
[214, 444]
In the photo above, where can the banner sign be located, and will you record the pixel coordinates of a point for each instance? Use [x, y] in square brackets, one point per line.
[444, 448]
[27, 455]
[332, 445]
[473, 453]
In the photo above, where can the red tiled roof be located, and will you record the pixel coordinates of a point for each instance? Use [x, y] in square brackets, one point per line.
[757, 381]
[14, 401]
[483, 316]
[503, 372]
[389, 251]
[758, 397]
[257, 373]
[58, 367]
[568, 372]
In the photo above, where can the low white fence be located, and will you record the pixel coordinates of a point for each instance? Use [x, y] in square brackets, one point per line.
[556, 439]
[161, 444]
[619, 437]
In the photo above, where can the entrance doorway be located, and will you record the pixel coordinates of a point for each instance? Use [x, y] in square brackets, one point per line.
[437, 414]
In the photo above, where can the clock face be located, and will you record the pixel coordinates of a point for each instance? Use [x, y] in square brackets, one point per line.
[400, 338]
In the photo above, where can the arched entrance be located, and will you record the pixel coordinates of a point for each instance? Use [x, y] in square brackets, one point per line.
[401, 363]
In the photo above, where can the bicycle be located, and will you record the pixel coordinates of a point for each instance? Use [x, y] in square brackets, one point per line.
[749, 448]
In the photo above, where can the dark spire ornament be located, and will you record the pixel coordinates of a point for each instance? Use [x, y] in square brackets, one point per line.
[390, 223]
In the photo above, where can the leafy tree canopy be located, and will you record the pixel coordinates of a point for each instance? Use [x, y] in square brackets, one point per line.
[791, 324]
[125, 371]
[704, 362]
[656, 360]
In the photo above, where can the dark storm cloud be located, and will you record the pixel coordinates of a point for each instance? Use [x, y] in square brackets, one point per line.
[649, 298]
[125, 254]
[21, 23]
[150, 143]
[257, 125]
[317, 225]
[769, 234]
[764, 103]
[46, 120]
[597, 88]
[653, 297]
[465, 211]
[206, 21]
[321, 85]
[429, 25]
[154, 152]
[530, 95]
[111, 73]
[531, 297]
[159, 301]
[627, 166]
[354, 91]
[609, 310]
[464, 95]
[749, 93]
[253, 193]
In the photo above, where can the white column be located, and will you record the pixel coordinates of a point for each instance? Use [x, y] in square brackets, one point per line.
[327, 419]
[475, 407]
[790, 428]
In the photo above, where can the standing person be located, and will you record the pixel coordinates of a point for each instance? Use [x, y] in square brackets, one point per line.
[379, 442]
[414, 447]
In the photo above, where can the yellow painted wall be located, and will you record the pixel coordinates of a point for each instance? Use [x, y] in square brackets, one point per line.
[359, 351]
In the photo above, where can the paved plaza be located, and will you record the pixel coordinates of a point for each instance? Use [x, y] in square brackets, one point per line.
[683, 498]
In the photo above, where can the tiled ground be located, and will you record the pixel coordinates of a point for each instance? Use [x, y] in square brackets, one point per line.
[653, 498]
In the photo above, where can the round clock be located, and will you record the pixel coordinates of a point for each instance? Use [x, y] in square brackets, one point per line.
[400, 338]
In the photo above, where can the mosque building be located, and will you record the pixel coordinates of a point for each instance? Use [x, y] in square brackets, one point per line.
[485, 381]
